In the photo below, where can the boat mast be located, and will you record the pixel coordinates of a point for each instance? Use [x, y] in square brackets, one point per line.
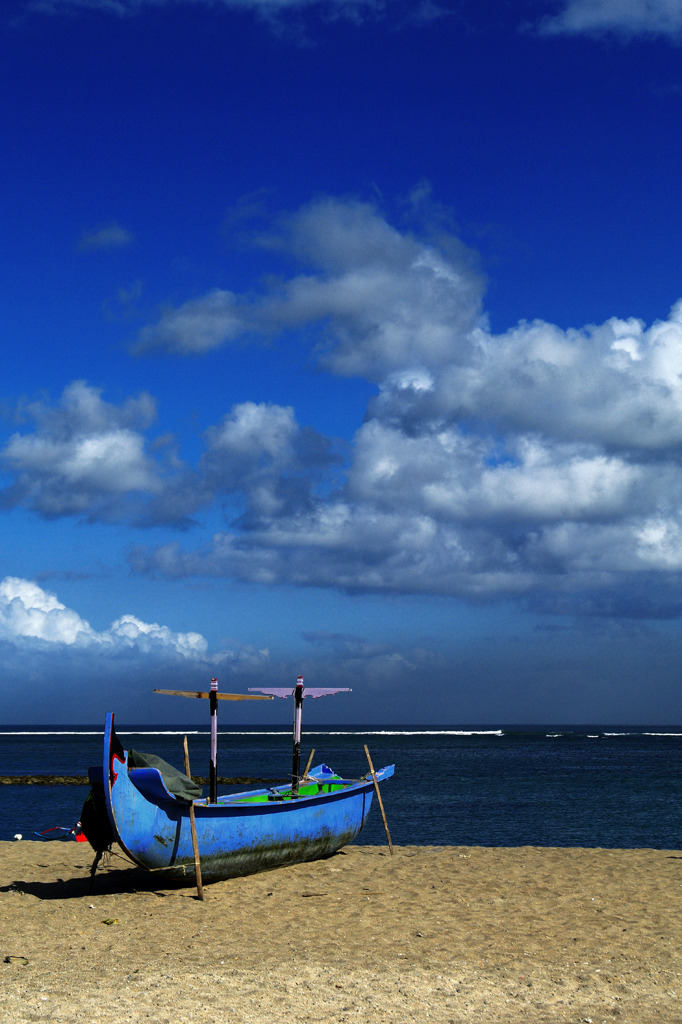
[213, 697]
[213, 763]
[298, 693]
[298, 714]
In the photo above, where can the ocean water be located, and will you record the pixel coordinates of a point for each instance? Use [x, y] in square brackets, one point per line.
[539, 786]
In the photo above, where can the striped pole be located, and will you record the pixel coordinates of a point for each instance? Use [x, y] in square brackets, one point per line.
[213, 767]
[298, 714]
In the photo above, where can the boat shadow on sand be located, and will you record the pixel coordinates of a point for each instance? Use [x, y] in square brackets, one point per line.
[114, 882]
[110, 882]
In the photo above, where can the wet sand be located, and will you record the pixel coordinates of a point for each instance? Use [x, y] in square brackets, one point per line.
[433, 933]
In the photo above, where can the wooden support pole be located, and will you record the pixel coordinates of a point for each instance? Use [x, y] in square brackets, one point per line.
[381, 802]
[193, 826]
[207, 693]
[308, 763]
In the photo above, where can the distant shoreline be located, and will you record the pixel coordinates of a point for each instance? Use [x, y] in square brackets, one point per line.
[202, 728]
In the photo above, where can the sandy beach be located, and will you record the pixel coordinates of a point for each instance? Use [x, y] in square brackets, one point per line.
[433, 933]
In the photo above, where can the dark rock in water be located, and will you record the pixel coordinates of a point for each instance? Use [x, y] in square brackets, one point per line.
[82, 780]
[43, 780]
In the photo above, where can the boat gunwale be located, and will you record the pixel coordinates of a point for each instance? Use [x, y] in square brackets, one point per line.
[242, 803]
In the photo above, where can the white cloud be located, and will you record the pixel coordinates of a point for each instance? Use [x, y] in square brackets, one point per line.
[383, 300]
[535, 461]
[355, 549]
[29, 612]
[618, 384]
[112, 461]
[147, 636]
[113, 236]
[461, 478]
[407, 314]
[197, 326]
[260, 452]
[84, 457]
[253, 430]
[89, 458]
[624, 17]
[519, 463]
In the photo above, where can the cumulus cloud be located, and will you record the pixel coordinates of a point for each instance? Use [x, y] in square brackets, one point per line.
[260, 450]
[89, 458]
[631, 18]
[84, 457]
[455, 477]
[26, 610]
[382, 300]
[538, 460]
[616, 384]
[407, 313]
[258, 461]
[29, 612]
[48, 650]
[147, 636]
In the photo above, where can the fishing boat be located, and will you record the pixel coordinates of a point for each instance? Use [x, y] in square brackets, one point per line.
[238, 833]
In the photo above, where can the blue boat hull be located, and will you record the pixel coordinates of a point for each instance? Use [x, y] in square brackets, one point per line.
[241, 833]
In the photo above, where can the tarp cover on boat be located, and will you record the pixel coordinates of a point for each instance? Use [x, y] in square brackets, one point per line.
[178, 784]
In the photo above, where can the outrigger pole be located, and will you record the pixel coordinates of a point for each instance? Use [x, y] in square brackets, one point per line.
[298, 693]
[213, 697]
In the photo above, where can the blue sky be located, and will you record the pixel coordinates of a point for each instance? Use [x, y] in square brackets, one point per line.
[342, 338]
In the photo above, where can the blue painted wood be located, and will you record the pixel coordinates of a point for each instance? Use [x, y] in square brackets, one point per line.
[240, 834]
